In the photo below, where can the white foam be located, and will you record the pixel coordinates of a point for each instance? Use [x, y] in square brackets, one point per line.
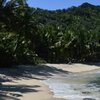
[66, 91]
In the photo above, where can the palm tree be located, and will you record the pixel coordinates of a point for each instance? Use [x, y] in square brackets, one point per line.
[7, 8]
[6, 3]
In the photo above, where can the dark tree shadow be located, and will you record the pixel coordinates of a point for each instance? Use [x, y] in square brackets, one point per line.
[26, 72]
[18, 88]
[8, 92]
[4, 96]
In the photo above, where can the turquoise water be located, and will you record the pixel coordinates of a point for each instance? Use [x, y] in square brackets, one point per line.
[76, 86]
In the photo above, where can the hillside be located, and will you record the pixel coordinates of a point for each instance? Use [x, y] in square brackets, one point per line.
[34, 35]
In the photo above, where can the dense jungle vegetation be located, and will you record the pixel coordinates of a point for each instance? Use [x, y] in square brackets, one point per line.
[33, 35]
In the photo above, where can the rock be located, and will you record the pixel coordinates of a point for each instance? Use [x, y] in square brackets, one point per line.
[86, 92]
[0, 83]
[89, 99]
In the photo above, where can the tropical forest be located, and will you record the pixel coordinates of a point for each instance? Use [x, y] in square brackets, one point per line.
[31, 35]
[49, 54]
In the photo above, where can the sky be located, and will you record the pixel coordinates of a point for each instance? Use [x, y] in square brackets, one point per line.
[59, 4]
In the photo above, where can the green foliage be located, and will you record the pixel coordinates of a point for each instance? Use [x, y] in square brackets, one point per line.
[7, 44]
[30, 35]
[15, 50]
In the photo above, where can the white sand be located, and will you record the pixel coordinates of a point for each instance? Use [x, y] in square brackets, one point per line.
[34, 89]
[41, 92]
[75, 67]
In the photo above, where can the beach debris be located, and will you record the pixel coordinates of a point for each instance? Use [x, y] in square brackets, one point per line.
[86, 92]
[89, 99]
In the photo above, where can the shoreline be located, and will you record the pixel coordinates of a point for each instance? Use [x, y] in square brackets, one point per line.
[33, 87]
[44, 93]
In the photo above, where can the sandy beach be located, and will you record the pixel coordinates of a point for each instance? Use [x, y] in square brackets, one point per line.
[25, 82]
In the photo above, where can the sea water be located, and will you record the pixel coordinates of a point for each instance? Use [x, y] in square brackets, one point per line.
[76, 86]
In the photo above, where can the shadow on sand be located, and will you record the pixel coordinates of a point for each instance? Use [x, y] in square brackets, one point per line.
[23, 72]
[14, 89]
[28, 71]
